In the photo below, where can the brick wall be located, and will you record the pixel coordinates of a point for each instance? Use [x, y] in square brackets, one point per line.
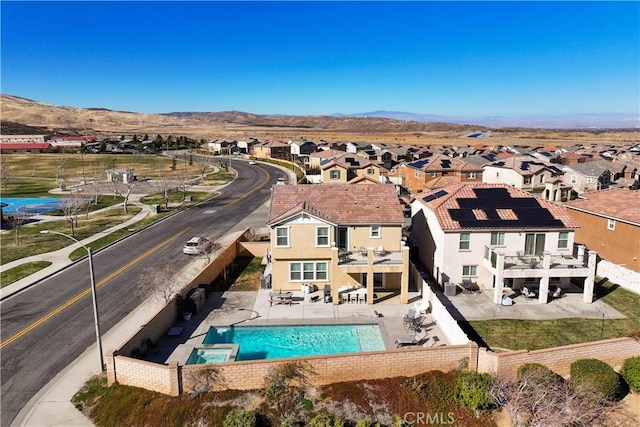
[153, 329]
[148, 375]
[249, 375]
[559, 359]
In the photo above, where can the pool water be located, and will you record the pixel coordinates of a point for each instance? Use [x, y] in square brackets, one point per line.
[276, 342]
[209, 355]
[29, 206]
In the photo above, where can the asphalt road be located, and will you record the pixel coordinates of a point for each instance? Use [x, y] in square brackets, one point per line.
[49, 325]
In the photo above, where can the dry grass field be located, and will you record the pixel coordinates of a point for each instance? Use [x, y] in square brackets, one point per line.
[102, 122]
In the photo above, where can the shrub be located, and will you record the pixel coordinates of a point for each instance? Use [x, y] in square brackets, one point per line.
[631, 373]
[324, 419]
[538, 373]
[240, 418]
[593, 375]
[284, 388]
[367, 423]
[472, 389]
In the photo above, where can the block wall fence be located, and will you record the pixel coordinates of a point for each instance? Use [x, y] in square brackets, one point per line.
[172, 379]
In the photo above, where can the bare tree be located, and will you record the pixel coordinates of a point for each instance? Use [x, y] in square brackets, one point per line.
[15, 221]
[60, 164]
[128, 188]
[183, 182]
[158, 282]
[203, 163]
[71, 205]
[5, 172]
[535, 403]
[165, 186]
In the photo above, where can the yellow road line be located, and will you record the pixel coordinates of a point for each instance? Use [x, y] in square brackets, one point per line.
[88, 291]
[266, 178]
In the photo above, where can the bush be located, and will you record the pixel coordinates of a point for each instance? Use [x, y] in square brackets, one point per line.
[240, 418]
[472, 389]
[324, 419]
[537, 373]
[631, 373]
[367, 423]
[593, 375]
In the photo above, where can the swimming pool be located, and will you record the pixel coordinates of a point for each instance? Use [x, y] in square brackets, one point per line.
[209, 355]
[29, 205]
[277, 342]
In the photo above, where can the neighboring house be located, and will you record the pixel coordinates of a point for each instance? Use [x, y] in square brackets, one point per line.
[303, 148]
[610, 223]
[588, 176]
[338, 235]
[437, 171]
[354, 147]
[319, 157]
[525, 172]
[23, 139]
[272, 149]
[347, 166]
[222, 146]
[498, 236]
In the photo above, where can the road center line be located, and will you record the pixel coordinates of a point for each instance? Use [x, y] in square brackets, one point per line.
[88, 291]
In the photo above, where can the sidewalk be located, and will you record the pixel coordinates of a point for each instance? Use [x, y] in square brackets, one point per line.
[52, 406]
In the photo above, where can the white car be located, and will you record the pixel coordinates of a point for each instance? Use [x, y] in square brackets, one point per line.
[251, 162]
[197, 245]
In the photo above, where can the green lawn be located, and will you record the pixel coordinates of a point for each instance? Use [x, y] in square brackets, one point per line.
[14, 274]
[538, 334]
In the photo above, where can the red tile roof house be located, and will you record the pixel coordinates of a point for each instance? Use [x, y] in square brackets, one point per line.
[498, 236]
[610, 223]
[339, 235]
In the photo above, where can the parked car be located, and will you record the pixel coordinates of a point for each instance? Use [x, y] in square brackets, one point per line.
[197, 245]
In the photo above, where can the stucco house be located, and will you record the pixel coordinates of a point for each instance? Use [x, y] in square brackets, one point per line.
[588, 176]
[348, 166]
[610, 223]
[497, 236]
[338, 235]
[437, 171]
[525, 172]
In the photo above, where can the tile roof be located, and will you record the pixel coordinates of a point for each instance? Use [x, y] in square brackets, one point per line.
[337, 203]
[617, 203]
[440, 162]
[494, 206]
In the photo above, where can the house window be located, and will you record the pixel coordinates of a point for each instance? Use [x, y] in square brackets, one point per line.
[589, 180]
[497, 239]
[434, 174]
[563, 240]
[541, 179]
[471, 175]
[574, 179]
[370, 171]
[534, 244]
[282, 237]
[375, 232]
[315, 271]
[527, 179]
[464, 241]
[469, 270]
[417, 173]
[334, 174]
[322, 236]
[611, 224]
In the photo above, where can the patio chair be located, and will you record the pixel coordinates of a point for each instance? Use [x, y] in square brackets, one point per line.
[409, 317]
[379, 251]
[557, 293]
[528, 294]
[430, 342]
[418, 339]
[344, 297]
[416, 324]
[362, 298]
[363, 251]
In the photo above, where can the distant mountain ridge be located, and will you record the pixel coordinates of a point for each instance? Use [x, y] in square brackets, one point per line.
[566, 121]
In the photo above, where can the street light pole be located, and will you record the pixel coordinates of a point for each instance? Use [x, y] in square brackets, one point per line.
[94, 296]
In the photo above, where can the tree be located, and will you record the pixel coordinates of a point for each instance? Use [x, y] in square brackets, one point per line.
[15, 221]
[5, 172]
[173, 163]
[128, 188]
[165, 186]
[60, 164]
[203, 163]
[158, 283]
[71, 205]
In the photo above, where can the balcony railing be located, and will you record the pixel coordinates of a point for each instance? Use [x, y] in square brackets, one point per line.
[361, 258]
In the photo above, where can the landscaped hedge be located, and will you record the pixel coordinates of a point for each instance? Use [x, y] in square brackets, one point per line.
[596, 376]
[539, 373]
[631, 373]
[472, 389]
[240, 418]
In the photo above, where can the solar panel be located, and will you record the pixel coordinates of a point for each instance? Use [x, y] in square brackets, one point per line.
[435, 195]
[418, 164]
[528, 211]
[446, 164]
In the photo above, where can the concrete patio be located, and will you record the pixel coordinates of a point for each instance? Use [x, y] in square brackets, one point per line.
[252, 308]
[480, 306]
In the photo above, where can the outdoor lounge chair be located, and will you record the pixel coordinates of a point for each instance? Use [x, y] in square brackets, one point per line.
[418, 339]
[528, 294]
[557, 293]
[430, 342]
[409, 317]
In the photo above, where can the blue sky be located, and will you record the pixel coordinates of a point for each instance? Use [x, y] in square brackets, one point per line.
[450, 58]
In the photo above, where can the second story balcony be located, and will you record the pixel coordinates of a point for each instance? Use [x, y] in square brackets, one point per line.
[379, 256]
